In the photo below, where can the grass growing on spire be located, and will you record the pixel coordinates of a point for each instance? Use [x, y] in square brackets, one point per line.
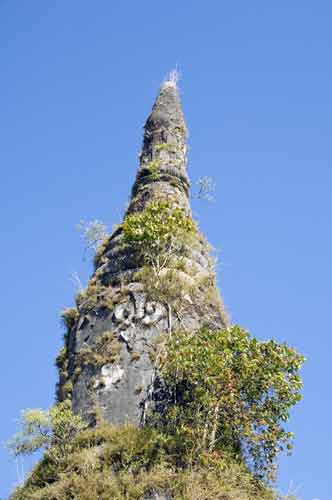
[228, 394]
[172, 78]
[133, 463]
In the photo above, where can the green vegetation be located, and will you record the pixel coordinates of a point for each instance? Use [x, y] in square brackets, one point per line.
[226, 391]
[69, 317]
[95, 295]
[215, 436]
[153, 168]
[219, 426]
[105, 350]
[131, 463]
[64, 386]
[99, 257]
[53, 431]
[161, 236]
[93, 233]
[163, 146]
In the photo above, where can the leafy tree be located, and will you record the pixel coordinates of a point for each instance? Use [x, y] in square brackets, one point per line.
[229, 392]
[52, 430]
[93, 233]
[205, 189]
[159, 233]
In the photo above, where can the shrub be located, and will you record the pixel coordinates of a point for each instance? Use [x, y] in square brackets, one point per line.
[93, 233]
[206, 189]
[53, 430]
[127, 462]
[159, 234]
[105, 350]
[69, 317]
[228, 391]
[95, 295]
[163, 146]
[153, 169]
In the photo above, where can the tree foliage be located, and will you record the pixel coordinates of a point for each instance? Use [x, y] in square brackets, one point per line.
[132, 463]
[52, 430]
[205, 189]
[159, 234]
[93, 233]
[228, 391]
[225, 397]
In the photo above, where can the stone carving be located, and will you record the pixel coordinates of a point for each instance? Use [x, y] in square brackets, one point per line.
[138, 309]
[110, 375]
[153, 313]
[124, 314]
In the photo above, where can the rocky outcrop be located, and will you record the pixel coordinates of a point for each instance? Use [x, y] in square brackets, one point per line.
[108, 348]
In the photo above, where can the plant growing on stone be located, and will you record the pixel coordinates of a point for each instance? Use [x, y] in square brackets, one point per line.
[105, 350]
[64, 385]
[52, 430]
[172, 289]
[94, 295]
[69, 317]
[205, 189]
[93, 233]
[127, 462]
[228, 391]
[159, 233]
[163, 146]
[153, 168]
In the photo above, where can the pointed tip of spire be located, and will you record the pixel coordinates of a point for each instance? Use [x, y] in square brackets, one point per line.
[167, 110]
[172, 78]
[163, 158]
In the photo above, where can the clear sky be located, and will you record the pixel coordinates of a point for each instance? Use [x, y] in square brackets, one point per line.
[77, 81]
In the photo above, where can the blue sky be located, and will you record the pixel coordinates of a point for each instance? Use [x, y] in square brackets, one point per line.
[77, 82]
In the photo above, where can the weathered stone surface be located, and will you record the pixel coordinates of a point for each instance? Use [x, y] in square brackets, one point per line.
[122, 385]
[120, 389]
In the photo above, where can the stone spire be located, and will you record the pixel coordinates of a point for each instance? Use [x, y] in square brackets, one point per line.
[164, 150]
[107, 362]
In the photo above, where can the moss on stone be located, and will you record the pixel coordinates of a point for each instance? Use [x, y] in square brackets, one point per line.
[100, 251]
[95, 295]
[135, 356]
[163, 146]
[105, 350]
[153, 169]
[69, 317]
[64, 385]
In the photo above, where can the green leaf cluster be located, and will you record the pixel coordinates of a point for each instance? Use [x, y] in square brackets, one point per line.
[159, 234]
[53, 430]
[157, 225]
[227, 398]
[163, 146]
[153, 169]
[228, 391]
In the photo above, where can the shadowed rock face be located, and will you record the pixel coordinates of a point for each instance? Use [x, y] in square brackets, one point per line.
[109, 345]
